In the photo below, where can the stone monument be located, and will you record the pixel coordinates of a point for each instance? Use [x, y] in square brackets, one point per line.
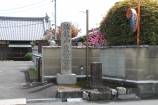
[96, 74]
[66, 76]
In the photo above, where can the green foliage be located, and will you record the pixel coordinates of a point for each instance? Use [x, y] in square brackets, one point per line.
[116, 28]
[33, 73]
[86, 84]
[44, 38]
[33, 43]
[28, 57]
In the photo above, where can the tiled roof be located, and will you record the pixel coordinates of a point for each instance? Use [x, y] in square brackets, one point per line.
[23, 28]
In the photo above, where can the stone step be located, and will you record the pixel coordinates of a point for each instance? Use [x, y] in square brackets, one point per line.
[67, 92]
[127, 97]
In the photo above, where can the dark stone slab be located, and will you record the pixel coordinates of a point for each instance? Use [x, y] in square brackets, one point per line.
[96, 74]
[145, 89]
[155, 88]
[132, 91]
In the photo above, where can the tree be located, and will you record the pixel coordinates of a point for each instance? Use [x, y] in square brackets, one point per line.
[75, 32]
[97, 38]
[115, 25]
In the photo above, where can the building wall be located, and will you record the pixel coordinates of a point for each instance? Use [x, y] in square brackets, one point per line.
[133, 63]
[3, 49]
[13, 53]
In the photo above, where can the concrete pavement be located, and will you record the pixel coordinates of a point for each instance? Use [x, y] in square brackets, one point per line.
[14, 82]
[140, 102]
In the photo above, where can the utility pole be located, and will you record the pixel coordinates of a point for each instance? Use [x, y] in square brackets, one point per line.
[55, 33]
[87, 14]
[138, 23]
[52, 42]
[87, 55]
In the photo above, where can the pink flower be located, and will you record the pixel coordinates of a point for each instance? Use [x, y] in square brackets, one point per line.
[97, 38]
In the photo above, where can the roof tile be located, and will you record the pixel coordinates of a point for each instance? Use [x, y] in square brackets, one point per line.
[22, 28]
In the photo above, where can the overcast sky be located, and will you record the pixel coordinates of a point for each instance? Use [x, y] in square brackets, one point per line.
[67, 10]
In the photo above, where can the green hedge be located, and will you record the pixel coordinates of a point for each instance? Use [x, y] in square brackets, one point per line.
[28, 57]
[116, 28]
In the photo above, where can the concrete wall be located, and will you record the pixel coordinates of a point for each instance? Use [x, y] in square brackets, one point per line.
[133, 63]
[142, 63]
[113, 62]
[51, 60]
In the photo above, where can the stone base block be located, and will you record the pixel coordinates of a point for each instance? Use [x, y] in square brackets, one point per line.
[121, 90]
[127, 96]
[66, 78]
[85, 95]
[70, 94]
[113, 92]
[97, 95]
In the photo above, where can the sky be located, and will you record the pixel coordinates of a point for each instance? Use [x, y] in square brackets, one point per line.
[66, 10]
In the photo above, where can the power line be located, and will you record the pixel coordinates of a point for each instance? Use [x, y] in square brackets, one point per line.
[62, 2]
[23, 6]
[26, 9]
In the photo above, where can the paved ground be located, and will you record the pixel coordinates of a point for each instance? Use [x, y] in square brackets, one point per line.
[140, 102]
[14, 82]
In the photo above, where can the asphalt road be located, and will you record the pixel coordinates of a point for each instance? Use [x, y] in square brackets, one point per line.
[14, 82]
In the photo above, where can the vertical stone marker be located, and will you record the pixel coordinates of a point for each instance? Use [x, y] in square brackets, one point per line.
[96, 74]
[66, 48]
[66, 76]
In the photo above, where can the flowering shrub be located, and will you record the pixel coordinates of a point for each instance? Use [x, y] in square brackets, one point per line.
[97, 38]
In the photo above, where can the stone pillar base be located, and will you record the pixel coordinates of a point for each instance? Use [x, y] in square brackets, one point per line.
[66, 78]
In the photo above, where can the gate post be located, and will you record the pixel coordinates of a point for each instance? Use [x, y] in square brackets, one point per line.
[38, 69]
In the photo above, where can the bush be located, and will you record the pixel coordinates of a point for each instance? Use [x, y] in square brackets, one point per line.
[28, 57]
[115, 25]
